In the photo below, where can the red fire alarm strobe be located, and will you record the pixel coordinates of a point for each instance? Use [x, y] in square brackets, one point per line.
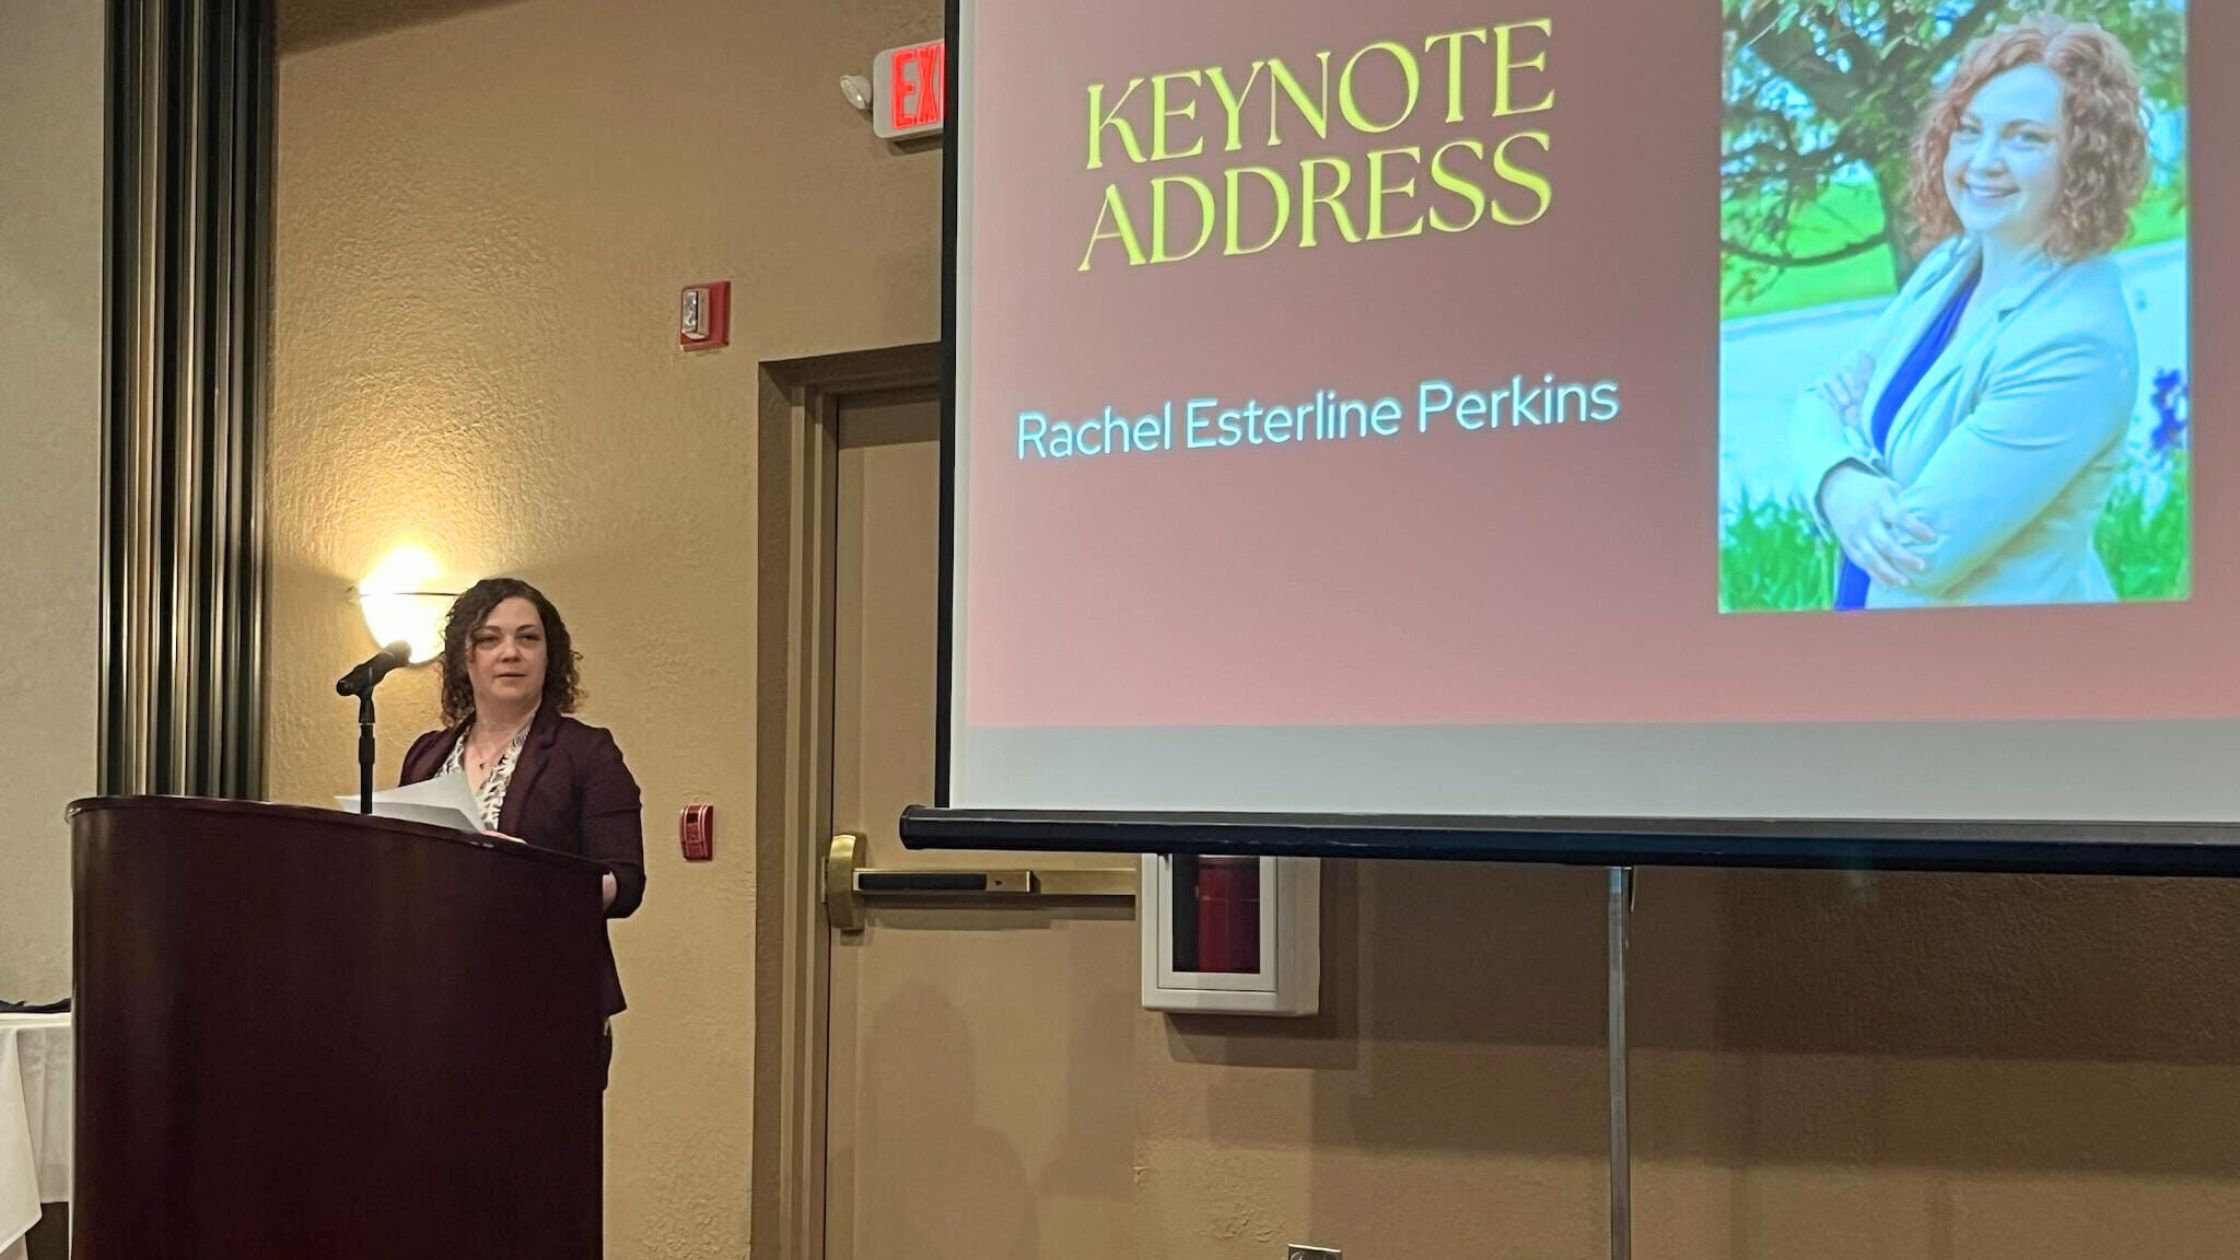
[696, 831]
[704, 315]
[909, 90]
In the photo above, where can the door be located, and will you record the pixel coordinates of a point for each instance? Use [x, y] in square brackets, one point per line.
[979, 1078]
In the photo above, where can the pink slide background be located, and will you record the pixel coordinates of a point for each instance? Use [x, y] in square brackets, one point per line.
[1564, 574]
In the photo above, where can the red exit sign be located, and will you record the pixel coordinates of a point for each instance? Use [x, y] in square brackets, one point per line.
[909, 88]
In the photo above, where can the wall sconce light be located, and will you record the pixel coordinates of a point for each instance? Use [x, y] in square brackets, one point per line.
[402, 602]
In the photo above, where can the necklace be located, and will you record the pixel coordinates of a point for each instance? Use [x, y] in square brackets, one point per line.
[487, 756]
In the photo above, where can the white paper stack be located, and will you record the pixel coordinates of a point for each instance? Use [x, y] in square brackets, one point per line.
[444, 801]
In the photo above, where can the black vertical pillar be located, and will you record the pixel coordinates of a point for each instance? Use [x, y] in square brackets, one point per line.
[186, 304]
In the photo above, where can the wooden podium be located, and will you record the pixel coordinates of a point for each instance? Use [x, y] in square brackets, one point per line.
[301, 1033]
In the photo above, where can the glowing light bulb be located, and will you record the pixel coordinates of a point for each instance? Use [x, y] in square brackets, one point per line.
[401, 602]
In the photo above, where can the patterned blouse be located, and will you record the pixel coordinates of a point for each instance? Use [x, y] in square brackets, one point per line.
[492, 795]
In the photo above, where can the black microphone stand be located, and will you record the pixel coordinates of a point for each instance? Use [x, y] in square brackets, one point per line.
[365, 751]
[360, 682]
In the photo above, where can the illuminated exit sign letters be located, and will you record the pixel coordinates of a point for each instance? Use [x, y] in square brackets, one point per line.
[910, 90]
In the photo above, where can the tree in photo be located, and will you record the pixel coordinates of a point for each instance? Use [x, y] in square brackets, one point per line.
[1825, 96]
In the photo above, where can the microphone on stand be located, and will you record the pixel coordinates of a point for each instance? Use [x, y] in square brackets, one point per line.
[369, 672]
[360, 682]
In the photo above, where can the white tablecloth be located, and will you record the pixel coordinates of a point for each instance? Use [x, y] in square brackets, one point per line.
[35, 1143]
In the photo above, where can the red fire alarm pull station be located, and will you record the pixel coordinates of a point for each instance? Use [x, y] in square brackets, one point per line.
[696, 830]
[704, 316]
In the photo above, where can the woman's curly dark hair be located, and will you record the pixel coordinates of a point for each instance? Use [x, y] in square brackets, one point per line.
[469, 611]
[2104, 134]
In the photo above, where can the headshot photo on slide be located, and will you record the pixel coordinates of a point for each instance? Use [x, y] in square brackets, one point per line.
[1953, 353]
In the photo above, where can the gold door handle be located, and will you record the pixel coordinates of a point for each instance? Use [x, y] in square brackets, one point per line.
[843, 905]
[848, 884]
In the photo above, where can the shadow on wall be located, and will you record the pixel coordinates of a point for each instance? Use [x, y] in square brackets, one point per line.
[311, 23]
[996, 1209]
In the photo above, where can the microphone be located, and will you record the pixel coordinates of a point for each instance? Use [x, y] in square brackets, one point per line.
[361, 680]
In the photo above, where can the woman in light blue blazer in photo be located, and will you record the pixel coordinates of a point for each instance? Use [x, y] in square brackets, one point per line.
[1964, 452]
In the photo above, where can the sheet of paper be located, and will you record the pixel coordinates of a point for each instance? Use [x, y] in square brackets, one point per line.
[444, 801]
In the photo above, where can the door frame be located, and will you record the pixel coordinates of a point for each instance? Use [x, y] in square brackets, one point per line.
[797, 526]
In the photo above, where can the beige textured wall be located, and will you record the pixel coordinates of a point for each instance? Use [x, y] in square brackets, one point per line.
[50, 468]
[1828, 1065]
[482, 227]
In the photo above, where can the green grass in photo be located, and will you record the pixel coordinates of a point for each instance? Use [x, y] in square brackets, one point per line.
[1773, 557]
[1851, 212]
[2147, 543]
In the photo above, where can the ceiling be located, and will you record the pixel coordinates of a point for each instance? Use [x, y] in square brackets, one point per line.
[310, 23]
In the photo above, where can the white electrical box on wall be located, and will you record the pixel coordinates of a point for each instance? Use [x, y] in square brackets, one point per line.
[1238, 935]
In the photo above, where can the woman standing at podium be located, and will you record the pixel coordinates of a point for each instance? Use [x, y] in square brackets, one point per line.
[540, 776]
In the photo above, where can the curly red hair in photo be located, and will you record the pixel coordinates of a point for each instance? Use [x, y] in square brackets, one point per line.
[2103, 133]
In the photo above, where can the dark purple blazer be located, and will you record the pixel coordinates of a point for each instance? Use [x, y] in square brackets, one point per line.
[570, 792]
